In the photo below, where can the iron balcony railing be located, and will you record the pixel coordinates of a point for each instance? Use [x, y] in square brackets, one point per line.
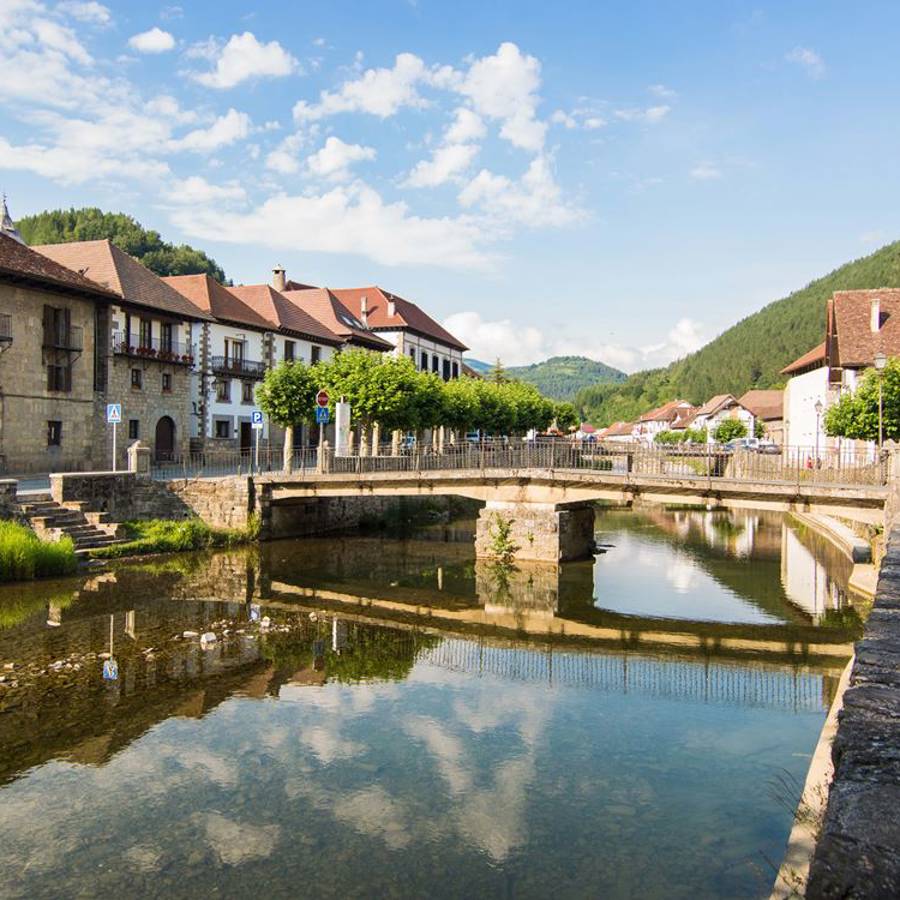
[228, 365]
[60, 337]
[153, 348]
[5, 328]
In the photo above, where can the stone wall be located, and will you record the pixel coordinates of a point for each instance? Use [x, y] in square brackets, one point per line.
[26, 406]
[858, 852]
[8, 507]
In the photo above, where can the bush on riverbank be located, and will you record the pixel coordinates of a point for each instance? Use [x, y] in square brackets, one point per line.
[164, 536]
[24, 555]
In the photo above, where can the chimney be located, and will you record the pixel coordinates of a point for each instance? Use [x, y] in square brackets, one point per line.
[875, 320]
[279, 278]
[364, 311]
[392, 308]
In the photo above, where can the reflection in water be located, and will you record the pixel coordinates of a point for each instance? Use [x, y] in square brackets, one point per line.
[378, 717]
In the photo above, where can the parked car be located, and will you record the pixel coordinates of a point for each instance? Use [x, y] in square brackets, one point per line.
[753, 445]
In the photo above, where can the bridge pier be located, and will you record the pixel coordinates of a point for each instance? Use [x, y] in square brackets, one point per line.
[544, 532]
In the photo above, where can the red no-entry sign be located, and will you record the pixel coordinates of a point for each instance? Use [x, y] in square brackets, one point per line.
[322, 398]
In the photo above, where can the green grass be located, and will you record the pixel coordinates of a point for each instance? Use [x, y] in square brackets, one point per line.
[23, 555]
[165, 536]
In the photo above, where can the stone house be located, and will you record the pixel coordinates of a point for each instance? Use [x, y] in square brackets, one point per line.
[152, 356]
[858, 325]
[235, 350]
[53, 352]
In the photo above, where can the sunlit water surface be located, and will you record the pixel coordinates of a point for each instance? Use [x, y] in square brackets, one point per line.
[437, 728]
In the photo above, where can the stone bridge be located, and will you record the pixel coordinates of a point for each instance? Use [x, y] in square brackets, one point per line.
[547, 514]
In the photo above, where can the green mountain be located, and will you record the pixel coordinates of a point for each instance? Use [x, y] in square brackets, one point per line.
[562, 377]
[91, 224]
[748, 355]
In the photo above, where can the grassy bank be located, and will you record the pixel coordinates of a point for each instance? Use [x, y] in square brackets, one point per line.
[23, 555]
[164, 536]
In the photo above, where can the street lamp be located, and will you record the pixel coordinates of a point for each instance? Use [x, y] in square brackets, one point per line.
[818, 408]
[880, 363]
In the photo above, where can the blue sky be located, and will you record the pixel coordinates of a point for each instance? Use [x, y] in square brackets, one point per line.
[619, 180]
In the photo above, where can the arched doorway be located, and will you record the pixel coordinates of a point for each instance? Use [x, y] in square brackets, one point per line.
[165, 439]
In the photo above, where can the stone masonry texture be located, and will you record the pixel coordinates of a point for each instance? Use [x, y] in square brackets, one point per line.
[858, 853]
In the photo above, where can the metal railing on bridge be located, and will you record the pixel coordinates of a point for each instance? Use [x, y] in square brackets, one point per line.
[796, 466]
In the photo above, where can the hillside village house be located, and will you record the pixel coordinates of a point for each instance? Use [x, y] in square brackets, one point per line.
[54, 347]
[858, 325]
[153, 357]
[719, 409]
[618, 432]
[767, 407]
[652, 423]
[234, 351]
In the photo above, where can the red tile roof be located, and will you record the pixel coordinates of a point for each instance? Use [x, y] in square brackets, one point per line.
[324, 307]
[766, 405]
[21, 263]
[104, 263]
[407, 316]
[811, 360]
[665, 413]
[289, 317]
[617, 429]
[856, 344]
[714, 404]
[218, 301]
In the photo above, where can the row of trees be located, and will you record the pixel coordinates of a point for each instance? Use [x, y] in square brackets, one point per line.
[392, 393]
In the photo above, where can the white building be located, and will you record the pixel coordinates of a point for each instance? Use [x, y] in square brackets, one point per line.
[806, 397]
[720, 409]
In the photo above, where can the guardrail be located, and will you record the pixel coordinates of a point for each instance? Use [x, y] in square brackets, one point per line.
[797, 466]
[228, 365]
[175, 352]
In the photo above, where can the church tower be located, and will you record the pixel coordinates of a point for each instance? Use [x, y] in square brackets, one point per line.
[7, 226]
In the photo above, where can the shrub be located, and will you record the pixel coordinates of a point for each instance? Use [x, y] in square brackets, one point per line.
[730, 430]
[24, 555]
[165, 536]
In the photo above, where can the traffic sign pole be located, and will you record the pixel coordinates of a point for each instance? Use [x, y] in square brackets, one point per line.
[256, 421]
[113, 417]
[114, 446]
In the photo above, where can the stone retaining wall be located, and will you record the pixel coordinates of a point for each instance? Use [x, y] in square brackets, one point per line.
[858, 853]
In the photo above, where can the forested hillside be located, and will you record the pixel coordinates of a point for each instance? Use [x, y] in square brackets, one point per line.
[59, 226]
[562, 377]
[750, 354]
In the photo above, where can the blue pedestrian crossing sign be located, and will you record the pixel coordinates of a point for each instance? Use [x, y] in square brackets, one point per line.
[322, 417]
[256, 418]
[113, 413]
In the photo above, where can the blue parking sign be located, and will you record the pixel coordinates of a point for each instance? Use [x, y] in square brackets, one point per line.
[256, 418]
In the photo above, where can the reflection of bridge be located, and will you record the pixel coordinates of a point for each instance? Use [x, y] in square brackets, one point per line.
[710, 682]
[546, 492]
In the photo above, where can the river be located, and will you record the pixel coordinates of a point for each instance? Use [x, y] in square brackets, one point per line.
[383, 716]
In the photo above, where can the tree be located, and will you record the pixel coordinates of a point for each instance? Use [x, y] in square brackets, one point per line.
[759, 428]
[729, 430]
[497, 374]
[566, 416]
[288, 395]
[528, 408]
[92, 224]
[856, 415]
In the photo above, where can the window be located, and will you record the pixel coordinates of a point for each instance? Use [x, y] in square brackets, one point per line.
[165, 341]
[446, 372]
[435, 363]
[424, 361]
[59, 378]
[137, 379]
[54, 433]
[167, 383]
[146, 339]
[315, 354]
[454, 370]
[246, 392]
[234, 352]
[223, 390]
[223, 429]
[134, 429]
[412, 354]
[289, 351]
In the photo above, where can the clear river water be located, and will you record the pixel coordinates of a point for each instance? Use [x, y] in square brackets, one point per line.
[381, 716]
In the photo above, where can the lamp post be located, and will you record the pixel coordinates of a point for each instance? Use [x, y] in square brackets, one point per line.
[818, 408]
[880, 363]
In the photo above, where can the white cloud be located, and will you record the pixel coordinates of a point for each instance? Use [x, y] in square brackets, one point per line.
[379, 92]
[333, 161]
[91, 11]
[504, 87]
[535, 200]
[467, 126]
[705, 171]
[346, 219]
[516, 344]
[660, 90]
[578, 118]
[561, 117]
[446, 163]
[283, 158]
[650, 115]
[244, 58]
[153, 41]
[808, 60]
[62, 39]
[225, 130]
[195, 189]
